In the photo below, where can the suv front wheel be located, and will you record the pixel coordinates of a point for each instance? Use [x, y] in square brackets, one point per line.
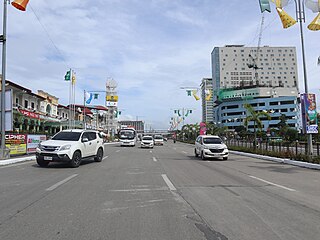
[99, 156]
[42, 163]
[76, 159]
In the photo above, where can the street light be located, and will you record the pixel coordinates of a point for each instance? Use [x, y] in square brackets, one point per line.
[21, 5]
[287, 22]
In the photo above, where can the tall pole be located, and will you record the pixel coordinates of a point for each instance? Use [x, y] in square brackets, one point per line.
[84, 109]
[301, 17]
[3, 82]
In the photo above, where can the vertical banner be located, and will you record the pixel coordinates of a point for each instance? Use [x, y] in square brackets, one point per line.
[309, 113]
[203, 128]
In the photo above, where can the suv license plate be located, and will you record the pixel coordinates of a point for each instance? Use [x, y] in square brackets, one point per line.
[47, 158]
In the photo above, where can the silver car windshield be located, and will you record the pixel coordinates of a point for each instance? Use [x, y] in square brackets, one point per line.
[212, 141]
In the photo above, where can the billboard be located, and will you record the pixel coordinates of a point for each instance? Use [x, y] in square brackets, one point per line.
[309, 113]
[33, 141]
[112, 98]
[17, 143]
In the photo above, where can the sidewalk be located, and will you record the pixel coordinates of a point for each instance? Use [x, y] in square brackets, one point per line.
[25, 158]
[17, 160]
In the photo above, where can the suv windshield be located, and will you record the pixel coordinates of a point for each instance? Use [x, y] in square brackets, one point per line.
[67, 136]
[212, 141]
[147, 138]
[158, 137]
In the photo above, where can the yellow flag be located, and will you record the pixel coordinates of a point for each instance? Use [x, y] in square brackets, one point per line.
[73, 79]
[194, 93]
[208, 94]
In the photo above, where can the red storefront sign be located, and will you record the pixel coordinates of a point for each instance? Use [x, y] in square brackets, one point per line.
[29, 114]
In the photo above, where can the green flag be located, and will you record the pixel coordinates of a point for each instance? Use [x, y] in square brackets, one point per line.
[95, 96]
[67, 77]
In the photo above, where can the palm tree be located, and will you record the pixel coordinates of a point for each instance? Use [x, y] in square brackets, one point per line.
[255, 117]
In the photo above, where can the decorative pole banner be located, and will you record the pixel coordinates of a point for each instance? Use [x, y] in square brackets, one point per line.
[309, 113]
[286, 19]
[203, 128]
[67, 77]
[264, 5]
[208, 94]
[280, 3]
[194, 93]
[189, 92]
[313, 5]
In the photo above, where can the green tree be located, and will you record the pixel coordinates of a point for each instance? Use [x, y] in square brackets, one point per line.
[254, 116]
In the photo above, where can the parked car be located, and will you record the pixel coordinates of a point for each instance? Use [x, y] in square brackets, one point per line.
[71, 146]
[158, 140]
[210, 146]
[147, 142]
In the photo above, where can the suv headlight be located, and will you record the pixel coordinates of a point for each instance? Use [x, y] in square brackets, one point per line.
[205, 147]
[65, 147]
[40, 146]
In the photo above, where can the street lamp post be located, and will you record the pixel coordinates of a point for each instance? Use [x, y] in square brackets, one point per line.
[21, 5]
[300, 18]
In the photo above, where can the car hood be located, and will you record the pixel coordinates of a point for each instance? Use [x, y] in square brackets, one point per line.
[56, 143]
[216, 146]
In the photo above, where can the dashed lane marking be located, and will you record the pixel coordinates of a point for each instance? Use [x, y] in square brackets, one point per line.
[168, 182]
[61, 182]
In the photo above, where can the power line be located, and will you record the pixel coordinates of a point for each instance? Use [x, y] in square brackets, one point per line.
[50, 38]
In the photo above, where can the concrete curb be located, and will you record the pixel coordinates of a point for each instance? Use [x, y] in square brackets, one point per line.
[279, 160]
[17, 160]
[31, 158]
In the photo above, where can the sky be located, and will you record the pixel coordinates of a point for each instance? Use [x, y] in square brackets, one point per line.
[151, 48]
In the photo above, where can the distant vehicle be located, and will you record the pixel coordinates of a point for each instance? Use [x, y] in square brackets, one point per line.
[158, 140]
[127, 137]
[70, 146]
[147, 142]
[210, 146]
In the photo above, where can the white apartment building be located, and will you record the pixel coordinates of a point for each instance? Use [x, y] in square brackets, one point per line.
[265, 77]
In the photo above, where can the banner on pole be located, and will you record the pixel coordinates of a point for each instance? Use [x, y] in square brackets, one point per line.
[309, 113]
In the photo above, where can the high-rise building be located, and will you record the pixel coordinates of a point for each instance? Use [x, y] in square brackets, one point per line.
[265, 78]
[207, 104]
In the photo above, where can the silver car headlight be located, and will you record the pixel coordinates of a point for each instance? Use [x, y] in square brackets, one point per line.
[65, 147]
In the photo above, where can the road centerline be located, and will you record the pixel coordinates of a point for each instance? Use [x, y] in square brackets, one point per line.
[168, 182]
[61, 182]
[154, 159]
[274, 184]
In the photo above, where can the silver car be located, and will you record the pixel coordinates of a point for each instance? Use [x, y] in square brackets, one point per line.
[210, 146]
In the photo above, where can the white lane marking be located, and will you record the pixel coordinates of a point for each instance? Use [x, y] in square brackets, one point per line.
[150, 151]
[105, 157]
[274, 184]
[184, 152]
[154, 159]
[168, 182]
[118, 151]
[61, 182]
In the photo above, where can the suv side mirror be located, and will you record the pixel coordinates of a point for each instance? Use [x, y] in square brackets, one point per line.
[85, 140]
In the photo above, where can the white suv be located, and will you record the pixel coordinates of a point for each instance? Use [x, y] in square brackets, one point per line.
[209, 146]
[70, 146]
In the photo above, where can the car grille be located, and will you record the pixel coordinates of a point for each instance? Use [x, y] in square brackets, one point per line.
[50, 148]
[146, 143]
[217, 150]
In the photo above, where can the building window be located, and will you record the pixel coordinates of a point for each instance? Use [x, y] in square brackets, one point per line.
[32, 105]
[17, 101]
[26, 103]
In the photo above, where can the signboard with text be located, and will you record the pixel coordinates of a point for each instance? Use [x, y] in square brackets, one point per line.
[33, 141]
[17, 143]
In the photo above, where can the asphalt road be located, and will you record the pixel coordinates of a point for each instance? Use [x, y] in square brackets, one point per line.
[160, 193]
